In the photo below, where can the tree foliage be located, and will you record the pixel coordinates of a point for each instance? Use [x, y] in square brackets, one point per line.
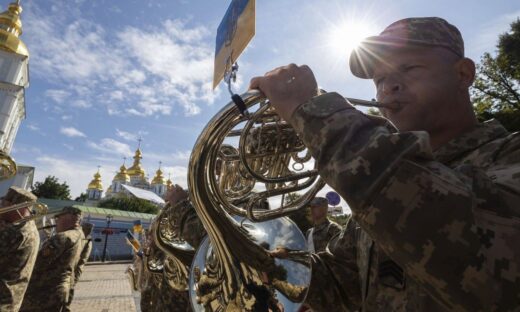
[51, 188]
[129, 204]
[82, 197]
[496, 92]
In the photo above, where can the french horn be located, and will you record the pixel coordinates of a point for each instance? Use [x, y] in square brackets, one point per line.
[179, 254]
[238, 162]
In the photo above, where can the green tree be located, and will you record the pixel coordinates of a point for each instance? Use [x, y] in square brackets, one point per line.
[496, 91]
[341, 219]
[51, 188]
[81, 198]
[129, 204]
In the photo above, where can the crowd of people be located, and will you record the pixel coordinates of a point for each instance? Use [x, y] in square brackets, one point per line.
[434, 193]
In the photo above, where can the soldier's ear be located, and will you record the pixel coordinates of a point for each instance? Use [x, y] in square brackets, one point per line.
[465, 70]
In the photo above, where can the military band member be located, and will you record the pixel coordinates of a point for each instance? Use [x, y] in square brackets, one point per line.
[323, 230]
[435, 215]
[53, 274]
[19, 242]
[83, 259]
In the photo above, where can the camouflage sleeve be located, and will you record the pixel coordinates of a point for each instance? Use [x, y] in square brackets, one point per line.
[55, 246]
[85, 254]
[451, 230]
[335, 283]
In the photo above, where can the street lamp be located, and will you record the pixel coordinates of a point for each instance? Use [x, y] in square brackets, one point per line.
[109, 219]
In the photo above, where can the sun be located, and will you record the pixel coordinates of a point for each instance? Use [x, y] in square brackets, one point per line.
[343, 38]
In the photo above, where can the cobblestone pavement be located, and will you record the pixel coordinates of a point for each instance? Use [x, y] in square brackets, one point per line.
[105, 288]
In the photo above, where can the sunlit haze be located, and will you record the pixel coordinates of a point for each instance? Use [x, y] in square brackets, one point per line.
[343, 38]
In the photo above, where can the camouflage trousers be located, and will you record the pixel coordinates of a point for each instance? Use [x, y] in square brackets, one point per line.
[53, 300]
[18, 250]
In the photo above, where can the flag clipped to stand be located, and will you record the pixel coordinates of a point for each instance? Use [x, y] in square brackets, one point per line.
[132, 241]
[138, 226]
[235, 31]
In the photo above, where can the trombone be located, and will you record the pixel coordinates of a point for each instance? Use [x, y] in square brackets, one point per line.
[38, 210]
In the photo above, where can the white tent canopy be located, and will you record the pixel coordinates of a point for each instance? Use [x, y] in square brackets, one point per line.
[144, 194]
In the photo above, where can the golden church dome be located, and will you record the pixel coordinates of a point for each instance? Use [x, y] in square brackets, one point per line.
[158, 179]
[11, 29]
[122, 175]
[96, 183]
[136, 169]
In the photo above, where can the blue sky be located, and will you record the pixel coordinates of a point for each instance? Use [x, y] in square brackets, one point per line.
[103, 73]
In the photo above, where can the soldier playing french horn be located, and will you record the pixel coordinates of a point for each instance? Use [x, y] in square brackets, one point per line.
[433, 192]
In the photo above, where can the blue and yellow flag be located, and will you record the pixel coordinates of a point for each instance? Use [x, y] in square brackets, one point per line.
[138, 226]
[133, 242]
[233, 34]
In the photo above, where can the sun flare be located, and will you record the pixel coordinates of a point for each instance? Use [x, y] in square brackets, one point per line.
[343, 38]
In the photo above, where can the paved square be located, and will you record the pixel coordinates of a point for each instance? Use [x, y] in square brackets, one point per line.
[104, 288]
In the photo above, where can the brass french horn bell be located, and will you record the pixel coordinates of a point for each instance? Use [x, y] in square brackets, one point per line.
[238, 162]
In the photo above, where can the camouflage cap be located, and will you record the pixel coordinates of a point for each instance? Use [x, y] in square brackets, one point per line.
[69, 209]
[319, 202]
[16, 195]
[415, 31]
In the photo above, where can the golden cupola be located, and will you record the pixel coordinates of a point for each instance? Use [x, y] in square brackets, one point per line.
[158, 179]
[122, 176]
[136, 169]
[11, 29]
[96, 184]
[169, 182]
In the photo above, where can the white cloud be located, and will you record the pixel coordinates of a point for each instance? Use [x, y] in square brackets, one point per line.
[132, 137]
[178, 175]
[120, 70]
[33, 127]
[77, 174]
[111, 146]
[58, 96]
[72, 132]
[126, 135]
[80, 104]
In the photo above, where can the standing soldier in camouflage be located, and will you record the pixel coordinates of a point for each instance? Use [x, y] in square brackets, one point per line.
[83, 258]
[53, 274]
[434, 195]
[323, 230]
[19, 242]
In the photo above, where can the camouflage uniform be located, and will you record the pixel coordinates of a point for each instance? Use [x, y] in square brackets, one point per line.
[322, 233]
[18, 249]
[53, 274]
[83, 258]
[433, 230]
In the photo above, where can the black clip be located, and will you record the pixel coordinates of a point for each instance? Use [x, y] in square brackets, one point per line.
[239, 102]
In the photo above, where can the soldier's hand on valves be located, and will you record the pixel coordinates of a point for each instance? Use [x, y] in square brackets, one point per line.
[287, 87]
[176, 194]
